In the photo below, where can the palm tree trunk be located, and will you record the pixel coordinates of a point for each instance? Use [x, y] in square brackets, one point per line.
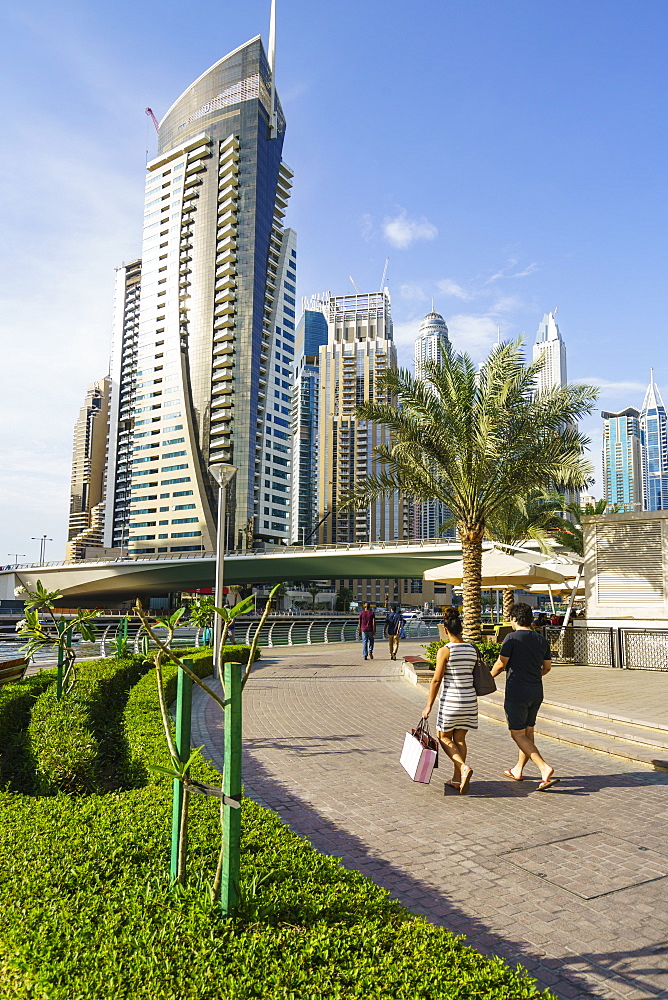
[508, 601]
[471, 539]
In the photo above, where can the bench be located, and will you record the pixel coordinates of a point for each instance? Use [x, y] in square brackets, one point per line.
[13, 670]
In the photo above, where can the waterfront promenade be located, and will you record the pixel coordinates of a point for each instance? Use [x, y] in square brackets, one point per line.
[572, 884]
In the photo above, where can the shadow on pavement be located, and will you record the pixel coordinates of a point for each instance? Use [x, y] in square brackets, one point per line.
[580, 977]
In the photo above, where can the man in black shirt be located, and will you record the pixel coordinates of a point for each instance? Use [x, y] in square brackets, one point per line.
[527, 657]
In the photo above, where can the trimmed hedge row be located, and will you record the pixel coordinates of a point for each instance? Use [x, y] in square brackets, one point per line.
[76, 742]
[16, 703]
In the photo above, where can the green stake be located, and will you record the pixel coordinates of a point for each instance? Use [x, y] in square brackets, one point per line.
[229, 895]
[184, 693]
[61, 661]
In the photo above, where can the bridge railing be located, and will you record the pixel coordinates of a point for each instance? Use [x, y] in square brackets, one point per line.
[264, 549]
[293, 631]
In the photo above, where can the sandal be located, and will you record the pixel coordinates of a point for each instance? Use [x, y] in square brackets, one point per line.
[509, 774]
[453, 784]
[466, 780]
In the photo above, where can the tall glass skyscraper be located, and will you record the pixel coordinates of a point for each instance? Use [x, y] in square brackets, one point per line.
[552, 349]
[622, 458]
[432, 340]
[311, 336]
[208, 375]
[654, 430]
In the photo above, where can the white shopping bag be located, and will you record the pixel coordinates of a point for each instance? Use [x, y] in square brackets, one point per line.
[417, 759]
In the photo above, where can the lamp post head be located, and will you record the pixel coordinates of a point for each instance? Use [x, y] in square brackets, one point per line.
[222, 472]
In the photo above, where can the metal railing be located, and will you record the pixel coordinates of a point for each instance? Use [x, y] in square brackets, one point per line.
[290, 631]
[620, 648]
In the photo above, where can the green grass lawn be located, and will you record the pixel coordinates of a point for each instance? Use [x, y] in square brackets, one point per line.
[86, 911]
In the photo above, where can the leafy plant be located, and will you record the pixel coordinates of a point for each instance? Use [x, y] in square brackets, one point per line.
[39, 635]
[477, 440]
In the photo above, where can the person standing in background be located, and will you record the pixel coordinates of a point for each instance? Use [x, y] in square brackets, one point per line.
[394, 622]
[366, 630]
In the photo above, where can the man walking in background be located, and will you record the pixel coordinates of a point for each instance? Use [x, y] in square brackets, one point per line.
[527, 656]
[366, 629]
[394, 622]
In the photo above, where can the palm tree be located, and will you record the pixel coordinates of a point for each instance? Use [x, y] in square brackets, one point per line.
[477, 440]
[313, 589]
[537, 518]
[567, 530]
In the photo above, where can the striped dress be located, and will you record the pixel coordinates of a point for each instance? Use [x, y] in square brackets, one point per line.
[458, 707]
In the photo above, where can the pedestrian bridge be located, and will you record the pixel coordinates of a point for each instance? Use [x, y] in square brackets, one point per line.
[125, 577]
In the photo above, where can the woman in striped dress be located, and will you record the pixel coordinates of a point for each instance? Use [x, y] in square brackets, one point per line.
[458, 705]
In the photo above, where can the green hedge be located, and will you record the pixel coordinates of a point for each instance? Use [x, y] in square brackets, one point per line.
[145, 740]
[489, 650]
[16, 703]
[76, 742]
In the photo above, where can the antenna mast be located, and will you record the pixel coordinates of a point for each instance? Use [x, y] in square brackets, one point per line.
[273, 117]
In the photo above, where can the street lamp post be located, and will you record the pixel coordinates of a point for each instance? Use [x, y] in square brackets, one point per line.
[223, 474]
[42, 539]
[17, 556]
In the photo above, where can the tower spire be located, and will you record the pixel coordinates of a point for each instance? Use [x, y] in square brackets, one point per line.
[273, 117]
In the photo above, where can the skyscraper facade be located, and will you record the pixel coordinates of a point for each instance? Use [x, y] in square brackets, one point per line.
[622, 458]
[122, 373]
[311, 336]
[654, 431]
[550, 347]
[359, 349]
[86, 526]
[432, 341]
[209, 375]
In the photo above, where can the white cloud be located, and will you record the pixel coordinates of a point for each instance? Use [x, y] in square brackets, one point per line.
[474, 335]
[614, 388]
[413, 292]
[507, 270]
[366, 226]
[401, 231]
[453, 290]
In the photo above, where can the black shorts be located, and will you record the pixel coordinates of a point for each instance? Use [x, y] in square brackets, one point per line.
[522, 714]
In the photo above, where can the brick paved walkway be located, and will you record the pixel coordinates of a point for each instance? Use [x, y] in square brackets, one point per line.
[322, 734]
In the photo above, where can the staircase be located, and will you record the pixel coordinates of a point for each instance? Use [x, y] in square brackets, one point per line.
[585, 727]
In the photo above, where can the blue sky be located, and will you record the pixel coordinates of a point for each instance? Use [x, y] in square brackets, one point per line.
[507, 157]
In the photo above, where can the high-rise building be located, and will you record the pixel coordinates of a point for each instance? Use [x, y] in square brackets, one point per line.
[122, 373]
[360, 349]
[622, 458]
[432, 340]
[654, 431]
[552, 349]
[206, 374]
[86, 527]
[311, 336]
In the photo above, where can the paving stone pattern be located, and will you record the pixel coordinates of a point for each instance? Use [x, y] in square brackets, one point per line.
[323, 730]
[593, 865]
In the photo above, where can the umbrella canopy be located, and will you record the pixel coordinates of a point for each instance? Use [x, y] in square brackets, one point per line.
[500, 569]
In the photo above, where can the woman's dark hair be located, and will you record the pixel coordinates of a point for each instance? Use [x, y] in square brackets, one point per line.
[452, 621]
[523, 614]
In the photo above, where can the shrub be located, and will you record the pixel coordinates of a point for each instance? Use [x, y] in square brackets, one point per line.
[76, 742]
[489, 650]
[16, 702]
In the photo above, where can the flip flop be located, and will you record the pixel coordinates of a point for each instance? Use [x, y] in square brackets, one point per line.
[544, 785]
[466, 781]
[509, 774]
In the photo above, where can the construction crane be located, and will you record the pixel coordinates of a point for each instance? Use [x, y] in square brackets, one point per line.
[382, 280]
[149, 112]
[354, 284]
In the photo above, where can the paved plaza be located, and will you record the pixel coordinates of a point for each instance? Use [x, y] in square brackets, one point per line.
[572, 883]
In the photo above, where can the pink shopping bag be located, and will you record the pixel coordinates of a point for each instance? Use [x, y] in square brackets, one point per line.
[417, 759]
